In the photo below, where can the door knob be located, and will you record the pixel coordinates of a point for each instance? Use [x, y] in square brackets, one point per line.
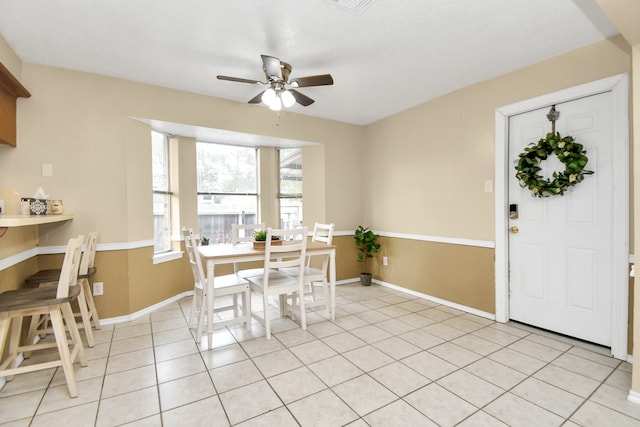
[513, 229]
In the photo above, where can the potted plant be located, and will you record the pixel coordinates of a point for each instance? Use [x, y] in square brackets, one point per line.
[204, 241]
[260, 238]
[366, 241]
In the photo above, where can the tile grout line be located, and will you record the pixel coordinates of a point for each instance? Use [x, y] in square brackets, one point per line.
[588, 398]
[104, 376]
[209, 373]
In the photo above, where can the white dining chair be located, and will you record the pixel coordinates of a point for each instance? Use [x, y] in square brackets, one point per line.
[288, 253]
[225, 285]
[314, 272]
[243, 233]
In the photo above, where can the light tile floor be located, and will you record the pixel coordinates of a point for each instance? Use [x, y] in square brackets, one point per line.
[388, 359]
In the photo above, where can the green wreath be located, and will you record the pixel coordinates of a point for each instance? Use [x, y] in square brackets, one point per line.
[568, 151]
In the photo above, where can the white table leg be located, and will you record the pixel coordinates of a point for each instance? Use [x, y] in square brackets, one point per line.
[209, 290]
[332, 280]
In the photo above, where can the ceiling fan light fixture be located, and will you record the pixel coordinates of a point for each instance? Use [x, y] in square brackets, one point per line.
[269, 96]
[287, 99]
[276, 104]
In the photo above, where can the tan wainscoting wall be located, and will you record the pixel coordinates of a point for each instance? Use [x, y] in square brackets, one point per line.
[461, 274]
[458, 273]
[131, 281]
[346, 255]
[150, 284]
[17, 240]
[13, 277]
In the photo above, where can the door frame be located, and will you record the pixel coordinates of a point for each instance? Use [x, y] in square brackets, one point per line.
[619, 86]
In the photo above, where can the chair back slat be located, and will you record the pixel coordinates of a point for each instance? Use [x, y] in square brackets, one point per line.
[244, 232]
[194, 256]
[291, 253]
[322, 233]
[89, 254]
[241, 233]
[188, 245]
[70, 267]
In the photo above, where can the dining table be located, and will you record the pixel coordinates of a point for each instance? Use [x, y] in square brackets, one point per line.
[228, 253]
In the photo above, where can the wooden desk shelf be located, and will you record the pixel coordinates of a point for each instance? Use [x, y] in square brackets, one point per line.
[7, 221]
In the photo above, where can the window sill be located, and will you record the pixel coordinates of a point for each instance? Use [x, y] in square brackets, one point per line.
[167, 256]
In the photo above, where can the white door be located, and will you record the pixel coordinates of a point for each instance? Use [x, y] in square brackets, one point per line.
[560, 258]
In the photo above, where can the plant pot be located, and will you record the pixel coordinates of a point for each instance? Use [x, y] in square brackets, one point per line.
[365, 279]
[260, 244]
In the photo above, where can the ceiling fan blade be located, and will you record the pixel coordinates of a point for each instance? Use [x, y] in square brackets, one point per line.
[272, 67]
[257, 99]
[319, 80]
[238, 79]
[301, 99]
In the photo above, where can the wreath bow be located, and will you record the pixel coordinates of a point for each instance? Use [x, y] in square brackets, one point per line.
[568, 151]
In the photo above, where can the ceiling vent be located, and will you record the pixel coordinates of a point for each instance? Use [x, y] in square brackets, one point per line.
[355, 6]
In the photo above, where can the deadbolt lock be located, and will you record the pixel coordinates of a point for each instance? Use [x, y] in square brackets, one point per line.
[513, 229]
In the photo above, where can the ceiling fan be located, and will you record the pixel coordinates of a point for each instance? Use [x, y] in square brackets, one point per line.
[281, 91]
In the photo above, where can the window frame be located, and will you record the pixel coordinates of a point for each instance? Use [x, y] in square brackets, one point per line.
[214, 194]
[283, 196]
[167, 193]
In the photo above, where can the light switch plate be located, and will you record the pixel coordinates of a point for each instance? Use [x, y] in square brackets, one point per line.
[47, 169]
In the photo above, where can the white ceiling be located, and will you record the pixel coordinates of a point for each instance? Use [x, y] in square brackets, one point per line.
[391, 55]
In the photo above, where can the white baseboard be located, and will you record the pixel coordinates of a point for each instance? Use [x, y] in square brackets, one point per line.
[145, 311]
[444, 302]
[150, 309]
[634, 397]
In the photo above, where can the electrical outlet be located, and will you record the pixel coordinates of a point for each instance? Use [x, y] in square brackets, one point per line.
[385, 260]
[97, 288]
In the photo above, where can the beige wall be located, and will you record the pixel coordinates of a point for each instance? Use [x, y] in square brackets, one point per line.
[432, 160]
[82, 124]
[457, 273]
[431, 164]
